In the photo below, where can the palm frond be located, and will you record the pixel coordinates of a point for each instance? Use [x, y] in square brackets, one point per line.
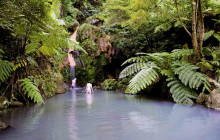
[5, 70]
[181, 93]
[31, 90]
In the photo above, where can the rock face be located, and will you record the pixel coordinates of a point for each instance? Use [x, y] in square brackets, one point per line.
[211, 101]
[62, 88]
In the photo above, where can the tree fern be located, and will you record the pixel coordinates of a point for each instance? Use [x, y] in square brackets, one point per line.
[31, 90]
[187, 74]
[145, 77]
[181, 93]
[5, 70]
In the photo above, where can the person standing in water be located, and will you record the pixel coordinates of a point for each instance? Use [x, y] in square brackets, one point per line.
[89, 88]
[74, 83]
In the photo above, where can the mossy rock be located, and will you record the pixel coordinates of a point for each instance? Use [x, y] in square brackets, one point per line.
[205, 66]
[110, 84]
[3, 102]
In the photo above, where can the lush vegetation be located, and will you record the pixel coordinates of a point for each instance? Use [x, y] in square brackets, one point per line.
[31, 49]
[172, 42]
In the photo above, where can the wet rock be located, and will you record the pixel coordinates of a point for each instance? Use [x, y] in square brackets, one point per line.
[16, 104]
[3, 102]
[62, 88]
[211, 101]
[214, 100]
[3, 126]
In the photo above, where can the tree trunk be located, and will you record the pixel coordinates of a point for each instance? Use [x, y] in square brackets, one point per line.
[200, 28]
[197, 29]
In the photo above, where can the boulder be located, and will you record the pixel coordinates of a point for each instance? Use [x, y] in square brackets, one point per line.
[3, 126]
[211, 101]
[3, 102]
[16, 104]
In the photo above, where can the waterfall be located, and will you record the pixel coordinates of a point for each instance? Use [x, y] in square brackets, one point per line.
[71, 59]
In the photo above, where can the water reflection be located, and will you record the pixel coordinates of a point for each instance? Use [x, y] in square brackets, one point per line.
[146, 123]
[72, 118]
[110, 115]
[89, 99]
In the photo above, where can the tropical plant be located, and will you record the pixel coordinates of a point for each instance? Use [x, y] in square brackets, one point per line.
[183, 78]
[31, 90]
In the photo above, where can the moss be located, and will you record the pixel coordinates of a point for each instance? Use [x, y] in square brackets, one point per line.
[110, 84]
[205, 66]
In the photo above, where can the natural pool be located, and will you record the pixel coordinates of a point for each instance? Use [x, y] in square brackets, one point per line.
[109, 115]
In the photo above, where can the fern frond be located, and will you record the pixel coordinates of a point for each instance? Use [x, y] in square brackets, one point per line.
[181, 93]
[166, 72]
[208, 34]
[159, 57]
[217, 36]
[163, 27]
[138, 59]
[31, 90]
[5, 70]
[133, 68]
[189, 76]
[144, 78]
[178, 53]
[32, 61]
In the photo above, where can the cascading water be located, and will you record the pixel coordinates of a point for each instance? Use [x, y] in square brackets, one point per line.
[71, 59]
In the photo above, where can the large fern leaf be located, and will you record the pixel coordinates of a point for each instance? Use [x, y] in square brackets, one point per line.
[208, 34]
[131, 69]
[5, 70]
[31, 90]
[178, 53]
[140, 59]
[189, 76]
[163, 27]
[181, 93]
[143, 78]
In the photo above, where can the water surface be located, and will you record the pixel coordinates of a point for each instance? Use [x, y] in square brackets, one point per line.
[108, 115]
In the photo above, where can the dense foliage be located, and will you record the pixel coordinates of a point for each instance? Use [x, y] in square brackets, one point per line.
[31, 49]
[180, 40]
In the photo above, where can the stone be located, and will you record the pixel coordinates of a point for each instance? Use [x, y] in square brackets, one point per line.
[3, 101]
[16, 104]
[3, 126]
[211, 101]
